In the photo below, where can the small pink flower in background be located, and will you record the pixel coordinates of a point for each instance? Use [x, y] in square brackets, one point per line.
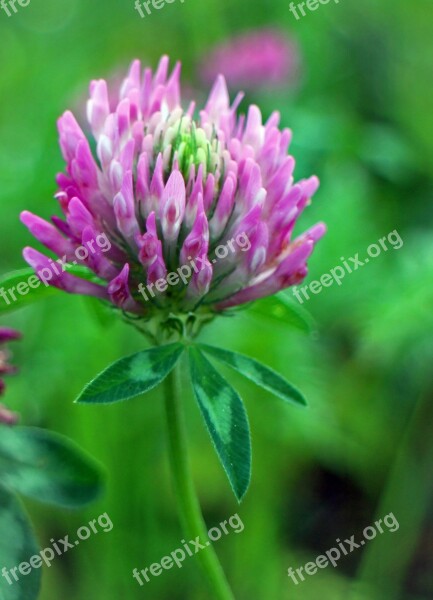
[263, 58]
[167, 187]
[6, 335]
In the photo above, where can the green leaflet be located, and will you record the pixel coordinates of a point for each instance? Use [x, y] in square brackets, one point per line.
[226, 420]
[284, 310]
[17, 545]
[9, 283]
[47, 467]
[131, 376]
[258, 373]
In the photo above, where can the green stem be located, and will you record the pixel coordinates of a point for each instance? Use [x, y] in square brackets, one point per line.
[189, 507]
[408, 495]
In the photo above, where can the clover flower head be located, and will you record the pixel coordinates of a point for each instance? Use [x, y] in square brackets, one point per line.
[168, 186]
[257, 59]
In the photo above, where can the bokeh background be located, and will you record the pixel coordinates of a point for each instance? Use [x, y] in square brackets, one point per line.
[360, 107]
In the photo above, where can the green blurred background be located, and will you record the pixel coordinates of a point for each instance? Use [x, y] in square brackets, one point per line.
[362, 118]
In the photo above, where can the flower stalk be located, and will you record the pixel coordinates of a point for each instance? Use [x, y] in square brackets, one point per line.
[188, 505]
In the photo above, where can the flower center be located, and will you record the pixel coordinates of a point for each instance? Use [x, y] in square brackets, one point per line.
[191, 145]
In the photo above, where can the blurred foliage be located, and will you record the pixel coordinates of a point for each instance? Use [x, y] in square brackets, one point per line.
[362, 121]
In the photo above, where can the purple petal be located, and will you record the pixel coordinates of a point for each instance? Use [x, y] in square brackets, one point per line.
[47, 234]
[172, 206]
[7, 335]
[50, 273]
